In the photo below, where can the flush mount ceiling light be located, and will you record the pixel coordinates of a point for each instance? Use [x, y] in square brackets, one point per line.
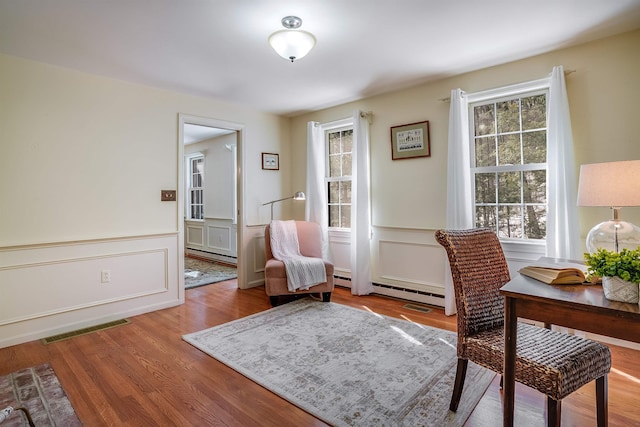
[292, 43]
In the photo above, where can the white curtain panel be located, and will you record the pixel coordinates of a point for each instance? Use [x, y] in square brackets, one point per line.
[360, 208]
[316, 203]
[563, 234]
[459, 197]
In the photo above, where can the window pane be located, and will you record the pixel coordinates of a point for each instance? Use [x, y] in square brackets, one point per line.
[346, 165]
[345, 192]
[334, 166]
[485, 151]
[334, 195]
[509, 149]
[535, 186]
[509, 187]
[347, 141]
[334, 143]
[485, 188]
[535, 225]
[508, 113]
[486, 216]
[345, 216]
[334, 216]
[484, 120]
[510, 222]
[534, 146]
[534, 112]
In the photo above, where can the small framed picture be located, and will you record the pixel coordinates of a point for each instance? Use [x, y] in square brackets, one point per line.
[409, 141]
[270, 161]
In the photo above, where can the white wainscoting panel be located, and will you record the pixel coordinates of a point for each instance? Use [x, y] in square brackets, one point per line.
[254, 257]
[219, 238]
[413, 265]
[194, 233]
[408, 258]
[340, 253]
[54, 288]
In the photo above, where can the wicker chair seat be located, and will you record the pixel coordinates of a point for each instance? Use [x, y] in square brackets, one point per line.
[554, 363]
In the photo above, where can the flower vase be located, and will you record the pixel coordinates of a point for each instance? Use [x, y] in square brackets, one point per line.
[616, 289]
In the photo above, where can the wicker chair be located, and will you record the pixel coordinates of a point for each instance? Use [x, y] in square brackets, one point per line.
[551, 362]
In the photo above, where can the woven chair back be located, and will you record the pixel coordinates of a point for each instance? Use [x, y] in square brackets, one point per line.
[478, 269]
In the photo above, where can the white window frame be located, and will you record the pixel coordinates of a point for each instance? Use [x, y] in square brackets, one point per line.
[518, 248]
[189, 184]
[337, 126]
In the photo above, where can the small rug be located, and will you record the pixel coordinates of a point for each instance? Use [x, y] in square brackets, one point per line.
[200, 273]
[38, 390]
[348, 367]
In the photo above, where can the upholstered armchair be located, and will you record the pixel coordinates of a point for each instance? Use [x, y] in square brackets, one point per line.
[275, 276]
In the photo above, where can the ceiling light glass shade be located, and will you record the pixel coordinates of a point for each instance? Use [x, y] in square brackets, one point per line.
[611, 184]
[292, 44]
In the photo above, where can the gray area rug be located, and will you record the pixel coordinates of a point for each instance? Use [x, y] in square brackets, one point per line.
[348, 367]
[38, 390]
[199, 273]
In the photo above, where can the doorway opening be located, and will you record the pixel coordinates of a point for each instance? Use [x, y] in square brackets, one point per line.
[209, 195]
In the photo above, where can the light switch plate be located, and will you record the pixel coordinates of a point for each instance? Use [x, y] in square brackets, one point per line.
[168, 195]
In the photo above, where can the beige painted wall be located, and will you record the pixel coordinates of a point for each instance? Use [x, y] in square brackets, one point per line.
[603, 93]
[82, 161]
[83, 156]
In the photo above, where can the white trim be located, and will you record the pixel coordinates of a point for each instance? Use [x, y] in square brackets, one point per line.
[507, 91]
[336, 124]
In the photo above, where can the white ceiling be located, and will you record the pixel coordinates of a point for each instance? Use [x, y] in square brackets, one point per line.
[197, 133]
[219, 49]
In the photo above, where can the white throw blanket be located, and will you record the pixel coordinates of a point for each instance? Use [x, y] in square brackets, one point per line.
[302, 272]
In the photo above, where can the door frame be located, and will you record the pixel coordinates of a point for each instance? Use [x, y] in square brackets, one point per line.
[222, 124]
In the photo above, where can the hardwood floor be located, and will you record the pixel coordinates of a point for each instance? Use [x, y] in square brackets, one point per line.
[143, 374]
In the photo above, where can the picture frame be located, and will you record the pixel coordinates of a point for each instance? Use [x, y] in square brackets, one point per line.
[270, 161]
[410, 141]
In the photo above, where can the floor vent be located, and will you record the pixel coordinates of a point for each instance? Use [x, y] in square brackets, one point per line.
[416, 307]
[84, 331]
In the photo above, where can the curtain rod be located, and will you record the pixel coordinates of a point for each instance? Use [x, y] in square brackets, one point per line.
[566, 73]
[364, 114]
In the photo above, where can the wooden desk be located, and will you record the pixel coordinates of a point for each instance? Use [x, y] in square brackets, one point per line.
[581, 307]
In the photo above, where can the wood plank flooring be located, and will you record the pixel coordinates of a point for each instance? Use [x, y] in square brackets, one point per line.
[143, 374]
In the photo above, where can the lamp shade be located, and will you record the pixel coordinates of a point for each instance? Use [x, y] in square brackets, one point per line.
[612, 184]
[292, 44]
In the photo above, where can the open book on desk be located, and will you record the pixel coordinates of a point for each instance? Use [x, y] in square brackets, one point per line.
[564, 273]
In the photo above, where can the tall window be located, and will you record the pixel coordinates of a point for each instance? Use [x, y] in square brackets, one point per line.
[509, 169]
[195, 203]
[339, 147]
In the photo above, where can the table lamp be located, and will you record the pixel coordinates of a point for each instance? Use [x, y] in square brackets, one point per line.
[299, 195]
[612, 184]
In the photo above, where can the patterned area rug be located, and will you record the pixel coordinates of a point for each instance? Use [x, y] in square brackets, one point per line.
[348, 367]
[199, 273]
[38, 390]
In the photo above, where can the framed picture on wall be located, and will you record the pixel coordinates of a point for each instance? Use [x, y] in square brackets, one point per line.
[270, 161]
[409, 141]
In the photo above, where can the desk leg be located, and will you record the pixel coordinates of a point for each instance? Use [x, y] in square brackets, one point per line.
[510, 337]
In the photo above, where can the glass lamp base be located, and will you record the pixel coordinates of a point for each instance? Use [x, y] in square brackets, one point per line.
[613, 235]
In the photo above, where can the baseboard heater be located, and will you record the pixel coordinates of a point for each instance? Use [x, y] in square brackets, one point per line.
[403, 293]
[212, 255]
